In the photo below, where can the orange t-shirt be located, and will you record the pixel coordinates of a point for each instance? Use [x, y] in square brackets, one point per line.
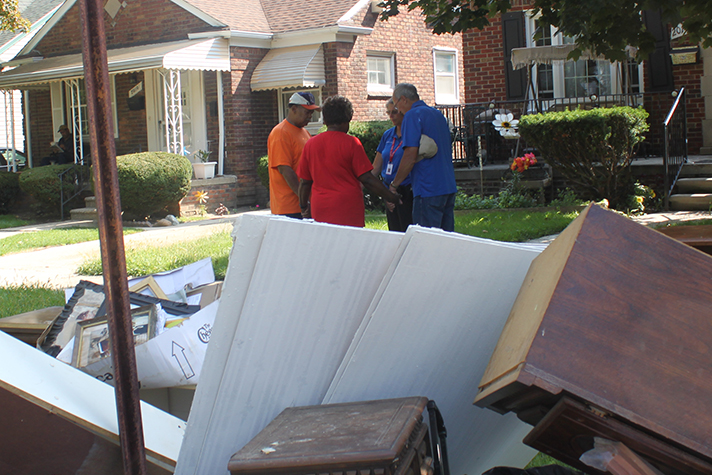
[284, 147]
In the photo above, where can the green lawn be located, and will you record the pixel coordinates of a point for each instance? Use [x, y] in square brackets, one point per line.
[501, 225]
[151, 259]
[8, 221]
[16, 300]
[52, 237]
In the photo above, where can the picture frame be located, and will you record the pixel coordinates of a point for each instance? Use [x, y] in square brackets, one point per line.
[149, 284]
[91, 341]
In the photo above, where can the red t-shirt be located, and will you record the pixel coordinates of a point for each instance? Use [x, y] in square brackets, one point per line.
[333, 161]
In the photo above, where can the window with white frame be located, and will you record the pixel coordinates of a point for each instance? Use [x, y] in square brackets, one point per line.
[316, 120]
[82, 107]
[445, 75]
[572, 79]
[380, 73]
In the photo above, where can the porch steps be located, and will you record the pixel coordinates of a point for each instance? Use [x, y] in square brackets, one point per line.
[89, 211]
[693, 190]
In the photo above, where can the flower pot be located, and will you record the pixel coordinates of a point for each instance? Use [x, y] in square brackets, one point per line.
[205, 170]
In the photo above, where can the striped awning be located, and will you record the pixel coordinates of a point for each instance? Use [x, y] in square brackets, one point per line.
[212, 54]
[296, 66]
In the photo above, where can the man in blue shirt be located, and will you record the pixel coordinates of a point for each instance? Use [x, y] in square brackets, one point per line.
[433, 178]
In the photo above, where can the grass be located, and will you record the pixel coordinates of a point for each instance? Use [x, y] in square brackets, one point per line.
[698, 222]
[541, 460]
[501, 225]
[21, 299]
[8, 221]
[148, 260]
[53, 237]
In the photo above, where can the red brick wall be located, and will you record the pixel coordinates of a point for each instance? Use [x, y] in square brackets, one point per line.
[220, 191]
[148, 21]
[249, 117]
[407, 36]
[40, 124]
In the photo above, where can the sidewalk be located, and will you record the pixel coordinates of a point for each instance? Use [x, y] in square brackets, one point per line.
[56, 266]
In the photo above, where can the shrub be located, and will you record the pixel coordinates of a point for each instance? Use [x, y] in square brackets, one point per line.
[370, 133]
[43, 184]
[263, 171]
[9, 189]
[592, 149]
[150, 181]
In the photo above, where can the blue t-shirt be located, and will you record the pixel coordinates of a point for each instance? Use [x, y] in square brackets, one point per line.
[391, 149]
[431, 176]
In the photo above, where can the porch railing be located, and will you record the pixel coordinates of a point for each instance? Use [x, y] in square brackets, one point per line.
[675, 143]
[473, 132]
[72, 182]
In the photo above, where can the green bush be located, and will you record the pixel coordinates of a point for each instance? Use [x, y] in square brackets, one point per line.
[150, 181]
[9, 189]
[43, 184]
[263, 171]
[370, 133]
[592, 149]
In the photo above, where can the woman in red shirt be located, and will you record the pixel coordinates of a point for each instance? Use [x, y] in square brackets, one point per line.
[332, 169]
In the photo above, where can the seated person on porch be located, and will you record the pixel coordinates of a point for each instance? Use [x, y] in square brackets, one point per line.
[61, 150]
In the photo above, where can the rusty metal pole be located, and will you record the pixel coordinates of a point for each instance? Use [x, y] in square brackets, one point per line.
[113, 257]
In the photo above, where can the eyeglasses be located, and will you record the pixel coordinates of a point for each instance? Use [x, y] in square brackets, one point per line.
[392, 112]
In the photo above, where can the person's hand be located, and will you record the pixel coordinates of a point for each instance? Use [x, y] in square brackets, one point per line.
[390, 206]
[306, 212]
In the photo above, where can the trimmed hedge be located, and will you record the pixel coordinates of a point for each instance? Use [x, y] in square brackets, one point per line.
[42, 183]
[370, 133]
[592, 149]
[9, 189]
[263, 171]
[150, 181]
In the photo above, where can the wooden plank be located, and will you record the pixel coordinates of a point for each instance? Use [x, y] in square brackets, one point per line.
[310, 288]
[53, 389]
[431, 330]
[627, 329]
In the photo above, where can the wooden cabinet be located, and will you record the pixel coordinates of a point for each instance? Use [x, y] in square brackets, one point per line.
[617, 318]
[380, 437]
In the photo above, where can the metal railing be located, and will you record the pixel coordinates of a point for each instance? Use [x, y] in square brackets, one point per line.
[675, 143]
[474, 134]
[75, 179]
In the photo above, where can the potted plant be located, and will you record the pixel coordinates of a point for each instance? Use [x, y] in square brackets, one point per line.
[203, 168]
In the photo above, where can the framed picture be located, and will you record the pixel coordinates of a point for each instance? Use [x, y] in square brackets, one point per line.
[148, 286]
[91, 342]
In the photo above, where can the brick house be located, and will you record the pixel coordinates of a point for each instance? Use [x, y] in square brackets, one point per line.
[206, 75]
[490, 77]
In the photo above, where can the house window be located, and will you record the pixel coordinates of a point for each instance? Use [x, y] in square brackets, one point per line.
[82, 107]
[574, 79]
[445, 74]
[316, 121]
[380, 75]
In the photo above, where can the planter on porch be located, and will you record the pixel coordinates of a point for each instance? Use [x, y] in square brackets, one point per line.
[204, 170]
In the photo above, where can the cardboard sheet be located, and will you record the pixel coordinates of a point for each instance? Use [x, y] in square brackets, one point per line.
[430, 332]
[309, 291]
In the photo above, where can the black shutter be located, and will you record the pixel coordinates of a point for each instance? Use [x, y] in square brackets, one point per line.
[659, 63]
[513, 37]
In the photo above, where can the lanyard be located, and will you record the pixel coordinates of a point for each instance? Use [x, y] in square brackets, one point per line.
[394, 147]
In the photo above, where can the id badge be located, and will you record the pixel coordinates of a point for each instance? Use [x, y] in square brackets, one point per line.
[389, 169]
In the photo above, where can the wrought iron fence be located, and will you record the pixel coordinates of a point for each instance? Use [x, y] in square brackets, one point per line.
[675, 140]
[474, 135]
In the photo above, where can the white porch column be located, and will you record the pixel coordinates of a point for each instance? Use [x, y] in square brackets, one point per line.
[221, 126]
[173, 110]
[76, 110]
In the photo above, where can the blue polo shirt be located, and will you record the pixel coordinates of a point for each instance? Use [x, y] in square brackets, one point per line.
[431, 176]
[391, 148]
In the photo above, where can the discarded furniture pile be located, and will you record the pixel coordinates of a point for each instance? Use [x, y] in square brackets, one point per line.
[326, 343]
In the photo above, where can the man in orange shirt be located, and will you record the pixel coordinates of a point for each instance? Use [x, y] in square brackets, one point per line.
[284, 147]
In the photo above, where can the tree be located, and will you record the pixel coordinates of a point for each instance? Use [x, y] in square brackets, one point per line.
[10, 18]
[605, 27]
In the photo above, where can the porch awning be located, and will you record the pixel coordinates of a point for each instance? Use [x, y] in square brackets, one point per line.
[522, 57]
[296, 66]
[211, 54]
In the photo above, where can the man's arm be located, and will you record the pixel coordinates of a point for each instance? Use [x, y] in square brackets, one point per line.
[304, 194]
[290, 176]
[375, 186]
[405, 167]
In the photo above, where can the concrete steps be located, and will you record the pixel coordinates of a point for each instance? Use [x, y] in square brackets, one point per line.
[693, 190]
[89, 212]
